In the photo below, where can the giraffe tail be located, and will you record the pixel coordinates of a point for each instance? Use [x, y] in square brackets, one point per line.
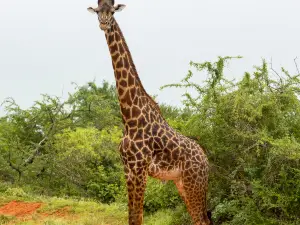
[209, 217]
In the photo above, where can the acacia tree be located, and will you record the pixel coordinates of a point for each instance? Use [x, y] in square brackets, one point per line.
[27, 136]
[95, 106]
[251, 130]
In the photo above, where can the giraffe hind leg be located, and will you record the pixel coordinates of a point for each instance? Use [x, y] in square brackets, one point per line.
[180, 188]
[193, 192]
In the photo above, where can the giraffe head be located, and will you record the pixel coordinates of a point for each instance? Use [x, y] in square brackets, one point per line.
[105, 12]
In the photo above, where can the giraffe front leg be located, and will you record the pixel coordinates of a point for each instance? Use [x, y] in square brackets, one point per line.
[136, 184]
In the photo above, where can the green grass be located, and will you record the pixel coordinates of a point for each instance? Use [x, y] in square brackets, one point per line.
[6, 219]
[84, 212]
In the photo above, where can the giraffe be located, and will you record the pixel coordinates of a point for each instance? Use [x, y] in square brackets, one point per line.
[150, 147]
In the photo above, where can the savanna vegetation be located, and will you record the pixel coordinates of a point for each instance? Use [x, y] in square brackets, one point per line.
[250, 129]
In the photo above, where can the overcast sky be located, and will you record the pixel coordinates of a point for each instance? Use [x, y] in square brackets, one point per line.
[46, 45]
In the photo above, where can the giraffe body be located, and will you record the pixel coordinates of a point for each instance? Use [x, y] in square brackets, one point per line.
[149, 145]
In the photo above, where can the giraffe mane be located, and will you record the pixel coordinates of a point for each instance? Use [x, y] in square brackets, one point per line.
[155, 104]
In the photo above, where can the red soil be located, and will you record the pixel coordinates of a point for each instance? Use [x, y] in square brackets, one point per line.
[19, 209]
[24, 210]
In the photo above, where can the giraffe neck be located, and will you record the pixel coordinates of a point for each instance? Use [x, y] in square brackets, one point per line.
[131, 92]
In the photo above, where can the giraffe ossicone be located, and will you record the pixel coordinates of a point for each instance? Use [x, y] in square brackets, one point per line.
[149, 145]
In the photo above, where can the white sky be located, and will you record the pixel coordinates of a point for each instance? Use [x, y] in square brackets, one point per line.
[46, 45]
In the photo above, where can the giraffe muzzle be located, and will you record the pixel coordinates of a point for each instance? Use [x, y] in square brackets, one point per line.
[103, 26]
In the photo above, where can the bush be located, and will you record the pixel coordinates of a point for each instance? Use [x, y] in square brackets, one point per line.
[160, 196]
[250, 129]
[3, 187]
[16, 192]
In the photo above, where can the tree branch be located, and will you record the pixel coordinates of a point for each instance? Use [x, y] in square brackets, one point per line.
[30, 159]
[271, 65]
[296, 64]
[13, 166]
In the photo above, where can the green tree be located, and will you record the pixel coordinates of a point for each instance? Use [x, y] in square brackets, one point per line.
[94, 105]
[26, 134]
[88, 162]
[31, 141]
[251, 130]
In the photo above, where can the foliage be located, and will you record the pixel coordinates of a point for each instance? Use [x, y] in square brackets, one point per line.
[16, 192]
[88, 158]
[95, 106]
[251, 129]
[64, 148]
[160, 196]
[26, 135]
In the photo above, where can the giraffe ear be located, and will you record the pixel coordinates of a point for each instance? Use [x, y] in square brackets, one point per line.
[91, 10]
[119, 8]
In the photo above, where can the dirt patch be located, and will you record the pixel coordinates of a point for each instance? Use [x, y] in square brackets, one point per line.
[19, 209]
[26, 211]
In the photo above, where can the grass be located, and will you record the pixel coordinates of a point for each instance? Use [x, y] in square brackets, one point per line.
[83, 212]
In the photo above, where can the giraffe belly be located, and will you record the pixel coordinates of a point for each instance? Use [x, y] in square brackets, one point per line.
[174, 174]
